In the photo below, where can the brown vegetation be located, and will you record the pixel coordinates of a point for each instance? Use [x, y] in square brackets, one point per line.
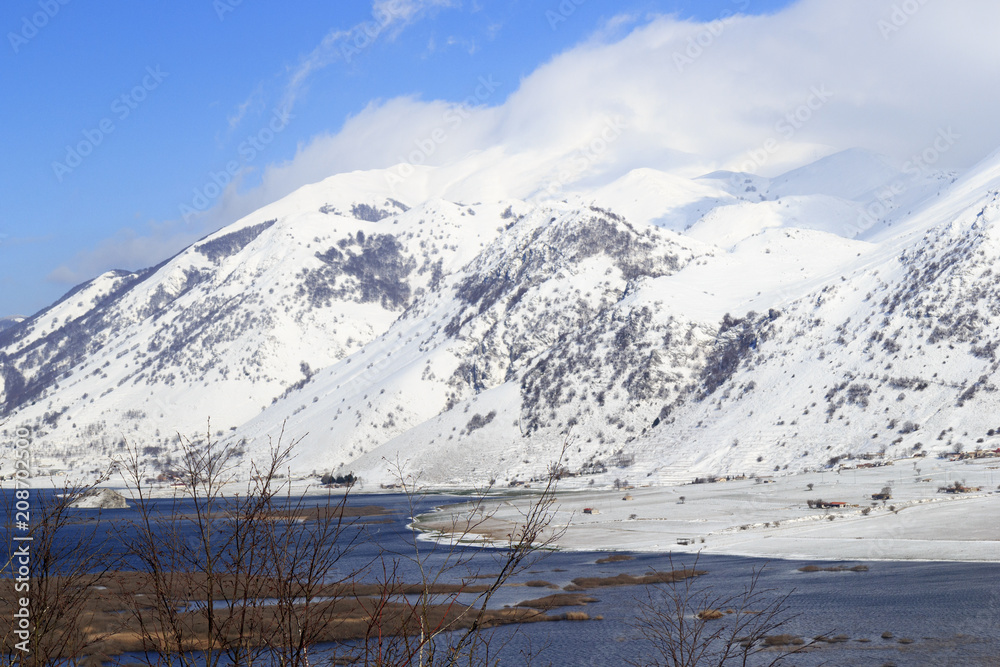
[255, 578]
[60, 617]
[583, 583]
[833, 568]
[783, 640]
[559, 600]
[614, 558]
[353, 612]
[680, 625]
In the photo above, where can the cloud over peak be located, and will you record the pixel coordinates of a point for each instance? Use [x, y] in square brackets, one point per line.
[761, 93]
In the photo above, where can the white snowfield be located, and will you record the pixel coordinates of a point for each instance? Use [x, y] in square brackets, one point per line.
[772, 518]
[669, 327]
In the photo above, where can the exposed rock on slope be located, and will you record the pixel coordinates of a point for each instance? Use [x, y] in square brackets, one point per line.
[473, 340]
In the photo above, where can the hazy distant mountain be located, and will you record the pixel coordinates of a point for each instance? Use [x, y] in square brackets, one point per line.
[8, 322]
[667, 327]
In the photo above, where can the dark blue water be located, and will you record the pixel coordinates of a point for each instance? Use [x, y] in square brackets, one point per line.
[951, 612]
[948, 612]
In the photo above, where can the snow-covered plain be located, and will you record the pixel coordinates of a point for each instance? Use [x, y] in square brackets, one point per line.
[772, 519]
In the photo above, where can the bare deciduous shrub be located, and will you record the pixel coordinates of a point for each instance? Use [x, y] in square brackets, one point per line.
[676, 631]
[462, 636]
[65, 560]
[235, 577]
[239, 570]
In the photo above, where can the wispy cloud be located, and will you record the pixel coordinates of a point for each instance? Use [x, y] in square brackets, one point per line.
[254, 102]
[747, 74]
[388, 19]
[468, 45]
[8, 241]
[615, 27]
[889, 94]
[322, 55]
[130, 249]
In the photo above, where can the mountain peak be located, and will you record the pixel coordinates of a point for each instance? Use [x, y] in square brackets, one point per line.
[729, 323]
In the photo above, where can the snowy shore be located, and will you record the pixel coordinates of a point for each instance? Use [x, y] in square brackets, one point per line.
[765, 517]
[773, 519]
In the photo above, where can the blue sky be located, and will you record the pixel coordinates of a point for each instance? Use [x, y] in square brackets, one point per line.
[160, 100]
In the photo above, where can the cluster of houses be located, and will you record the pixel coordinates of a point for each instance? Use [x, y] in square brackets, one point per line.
[834, 504]
[977, 454]
[958, 487]
[869, 464]
[173, 481]
[726, 478]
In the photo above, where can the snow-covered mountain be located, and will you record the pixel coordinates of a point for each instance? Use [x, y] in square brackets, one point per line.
[8, 322]
[664, 327]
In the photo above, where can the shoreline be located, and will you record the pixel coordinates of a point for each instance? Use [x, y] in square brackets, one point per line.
[763, 518]
[769, 520]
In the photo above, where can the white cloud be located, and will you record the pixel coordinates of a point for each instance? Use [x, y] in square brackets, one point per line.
[131, 250]
[700, 96]
[388, 18]
[692, 97]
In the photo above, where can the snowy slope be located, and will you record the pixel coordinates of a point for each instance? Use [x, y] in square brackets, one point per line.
[494, 322]
[662, 327]
[228, 325]
[854, 174]
[898, 355]
[726, 226]
[665, 200]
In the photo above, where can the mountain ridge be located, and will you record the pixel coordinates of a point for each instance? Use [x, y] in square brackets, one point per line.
[473, 340]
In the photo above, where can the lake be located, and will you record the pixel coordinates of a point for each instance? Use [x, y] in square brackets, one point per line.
[947, 613]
